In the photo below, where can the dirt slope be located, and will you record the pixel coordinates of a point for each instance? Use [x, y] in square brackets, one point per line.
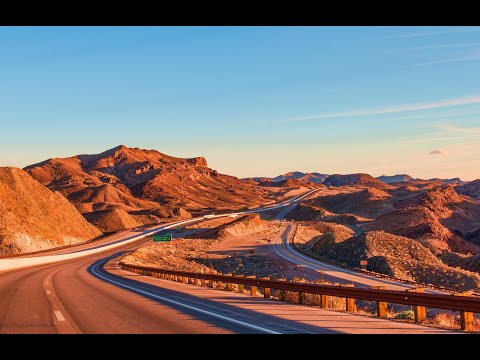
[250, 224]
[111, 220]
[34, 218]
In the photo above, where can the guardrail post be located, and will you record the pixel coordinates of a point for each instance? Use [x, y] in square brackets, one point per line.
[349, 302]
[283, 293]
[419, 311]
[324, 301]
[211, 282]
[253, 288]
[266, 291]
[180, 278]
[381, 306]
[241, 287]
[186, 280]
[466, 317]
[220, 283]
[300, 297]
[466, 320]
[202, 282]
[229, 284]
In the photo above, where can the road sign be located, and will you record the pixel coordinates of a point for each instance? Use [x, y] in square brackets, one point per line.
[363, 262]
[166, 237]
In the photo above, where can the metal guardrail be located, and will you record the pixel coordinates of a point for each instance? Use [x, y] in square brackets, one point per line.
[466, 304]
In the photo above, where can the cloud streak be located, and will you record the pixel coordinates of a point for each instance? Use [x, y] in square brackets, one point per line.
[434, 47]
[432, 33]
[441, 152]
[472, 57]
[394, 109]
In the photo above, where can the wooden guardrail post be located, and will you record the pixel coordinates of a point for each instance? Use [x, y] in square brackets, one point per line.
[202, 282]
[266, 291]
[253, 288]
[283, 293]
[381, 306]
[466, 320]
[220, 283]
[229, 284]
[211, 282]
[419, 311]
[323, 298]
[301, 295]
[350, 302]
[240, 287]
[466, 317]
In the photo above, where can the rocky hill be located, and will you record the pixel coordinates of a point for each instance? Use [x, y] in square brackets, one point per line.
[471, 189]
[395, 178]
[302, 177]
[250, 224]
[111, 220]
[400, 257]
[133, 179]
[366, 203]
[438, 218]
[34, 218]
[355, 179]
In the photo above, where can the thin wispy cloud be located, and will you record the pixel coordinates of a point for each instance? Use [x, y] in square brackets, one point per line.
[432, 33]
[441, 152]
[434, 47]
[471, 57]
[393, 109]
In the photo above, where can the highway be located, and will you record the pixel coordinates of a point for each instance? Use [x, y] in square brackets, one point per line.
[282, 246]
[82, 290]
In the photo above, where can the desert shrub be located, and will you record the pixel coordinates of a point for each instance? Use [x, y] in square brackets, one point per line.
[405, 315]
[448, 320]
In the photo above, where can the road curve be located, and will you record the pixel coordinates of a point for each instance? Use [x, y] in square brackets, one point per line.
[90, 294]
[282, 246]
[56, 293]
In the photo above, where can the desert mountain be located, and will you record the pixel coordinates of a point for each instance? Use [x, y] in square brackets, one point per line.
[133, 180]
[395, 178]
[448, 181]
[400, 257]
[439, 218]
[291, 183]
[33, 217]
[303, 177]
[355, 179]
[471, 189]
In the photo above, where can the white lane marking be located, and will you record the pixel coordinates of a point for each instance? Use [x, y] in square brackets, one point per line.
[49, 292]
[94, 270]
[59, 315]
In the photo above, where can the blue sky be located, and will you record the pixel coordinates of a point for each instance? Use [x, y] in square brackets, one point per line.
[255, 101]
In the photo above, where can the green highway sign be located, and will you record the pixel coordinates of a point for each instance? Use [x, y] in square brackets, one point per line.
[166, 237]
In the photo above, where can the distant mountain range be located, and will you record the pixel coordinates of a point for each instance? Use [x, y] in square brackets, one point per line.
[313, 177]
[319, 178]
